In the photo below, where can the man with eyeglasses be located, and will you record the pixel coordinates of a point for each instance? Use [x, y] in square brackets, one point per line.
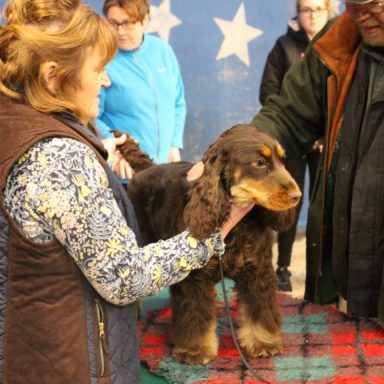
[337, 92]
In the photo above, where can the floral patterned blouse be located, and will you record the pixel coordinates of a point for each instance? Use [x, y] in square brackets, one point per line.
[59, 190]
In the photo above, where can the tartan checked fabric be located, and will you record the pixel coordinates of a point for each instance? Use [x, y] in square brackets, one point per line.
[321, 346]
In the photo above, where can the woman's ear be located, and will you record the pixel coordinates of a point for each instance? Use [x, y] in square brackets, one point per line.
[49, 71]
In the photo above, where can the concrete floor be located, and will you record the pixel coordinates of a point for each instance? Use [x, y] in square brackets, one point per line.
[297, 266]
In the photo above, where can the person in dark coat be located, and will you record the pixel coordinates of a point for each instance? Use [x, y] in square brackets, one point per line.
[288, 49]
[337, 92]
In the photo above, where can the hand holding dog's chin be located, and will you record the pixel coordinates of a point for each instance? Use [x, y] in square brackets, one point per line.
[237, 213]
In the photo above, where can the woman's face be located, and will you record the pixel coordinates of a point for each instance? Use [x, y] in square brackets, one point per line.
[92, 78]
[130, 31]
[312, 16]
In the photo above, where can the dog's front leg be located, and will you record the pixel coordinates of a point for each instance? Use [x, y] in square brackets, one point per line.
[193, 329]
[258, 314]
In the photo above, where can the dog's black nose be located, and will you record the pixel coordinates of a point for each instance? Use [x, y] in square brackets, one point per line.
[295, 196]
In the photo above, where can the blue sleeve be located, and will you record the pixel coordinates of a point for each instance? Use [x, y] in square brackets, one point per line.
[180, 108]
[105, 130]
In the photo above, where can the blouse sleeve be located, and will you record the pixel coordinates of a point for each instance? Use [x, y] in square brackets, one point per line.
[59, 190]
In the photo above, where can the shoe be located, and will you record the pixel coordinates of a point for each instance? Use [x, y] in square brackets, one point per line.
[283, 279]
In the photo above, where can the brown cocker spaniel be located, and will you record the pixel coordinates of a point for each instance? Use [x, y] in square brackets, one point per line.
[243, 165]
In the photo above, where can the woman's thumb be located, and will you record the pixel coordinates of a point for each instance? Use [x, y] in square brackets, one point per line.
[121, 140]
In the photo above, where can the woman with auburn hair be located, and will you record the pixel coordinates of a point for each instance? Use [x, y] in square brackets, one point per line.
[311, 16]
[71, 265]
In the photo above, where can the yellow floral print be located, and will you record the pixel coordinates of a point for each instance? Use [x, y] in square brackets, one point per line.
[63, 194]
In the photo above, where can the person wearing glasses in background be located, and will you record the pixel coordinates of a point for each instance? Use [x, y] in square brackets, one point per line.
[146, 97]
[337, 92]
[311, 16]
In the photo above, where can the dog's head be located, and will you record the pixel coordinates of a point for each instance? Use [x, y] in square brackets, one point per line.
[244, 165]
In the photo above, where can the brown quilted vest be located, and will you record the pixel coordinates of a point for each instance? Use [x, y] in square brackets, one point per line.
[45, 336]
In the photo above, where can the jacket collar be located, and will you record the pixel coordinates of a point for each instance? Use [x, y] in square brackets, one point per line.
[339, 43]
[85, 131]
[296, 32]
[141, 49]
[377, 53]
[339, 50]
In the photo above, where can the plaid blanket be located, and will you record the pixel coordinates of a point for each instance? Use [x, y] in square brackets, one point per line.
[321, 345]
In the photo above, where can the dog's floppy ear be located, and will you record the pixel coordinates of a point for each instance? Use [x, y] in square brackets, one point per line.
[209, 205]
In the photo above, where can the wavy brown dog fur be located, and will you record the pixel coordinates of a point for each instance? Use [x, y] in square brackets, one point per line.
[243, 165]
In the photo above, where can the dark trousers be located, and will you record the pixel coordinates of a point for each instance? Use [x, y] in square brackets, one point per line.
[296, 167]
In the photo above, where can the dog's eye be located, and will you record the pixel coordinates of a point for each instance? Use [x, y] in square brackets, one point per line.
[259, 163]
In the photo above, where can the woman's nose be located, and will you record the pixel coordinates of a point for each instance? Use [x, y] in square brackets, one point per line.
[105, 81]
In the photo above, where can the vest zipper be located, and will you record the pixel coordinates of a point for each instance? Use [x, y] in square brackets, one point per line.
[103, 348]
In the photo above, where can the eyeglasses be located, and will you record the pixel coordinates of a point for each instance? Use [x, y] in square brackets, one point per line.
[372, 7]
[306, 11]
[128, 25]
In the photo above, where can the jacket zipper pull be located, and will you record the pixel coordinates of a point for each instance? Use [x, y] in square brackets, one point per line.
[103, 347]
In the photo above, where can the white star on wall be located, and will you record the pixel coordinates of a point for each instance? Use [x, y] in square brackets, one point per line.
[237, 34]
[336, 6]
[162, 20]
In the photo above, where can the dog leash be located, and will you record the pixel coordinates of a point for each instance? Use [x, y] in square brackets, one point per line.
[232, 328]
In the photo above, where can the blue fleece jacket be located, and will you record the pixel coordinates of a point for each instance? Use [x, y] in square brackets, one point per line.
[146, 98]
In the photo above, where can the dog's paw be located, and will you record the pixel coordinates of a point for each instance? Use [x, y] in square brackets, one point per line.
[258, 342]
[264, 350]
[192, 357]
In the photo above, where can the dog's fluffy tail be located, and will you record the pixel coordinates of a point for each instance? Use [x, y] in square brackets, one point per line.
[137, 159]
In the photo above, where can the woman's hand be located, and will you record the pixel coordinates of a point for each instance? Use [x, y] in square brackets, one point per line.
[196, 171]
[174, 155]
[123, 169]
[237, 213]
[119, 165]
[111, 145]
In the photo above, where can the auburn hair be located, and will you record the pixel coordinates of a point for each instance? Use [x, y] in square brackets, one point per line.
[41, 31]
[136, 9]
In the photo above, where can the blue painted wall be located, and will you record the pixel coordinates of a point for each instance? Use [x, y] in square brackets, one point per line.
[221, 92]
